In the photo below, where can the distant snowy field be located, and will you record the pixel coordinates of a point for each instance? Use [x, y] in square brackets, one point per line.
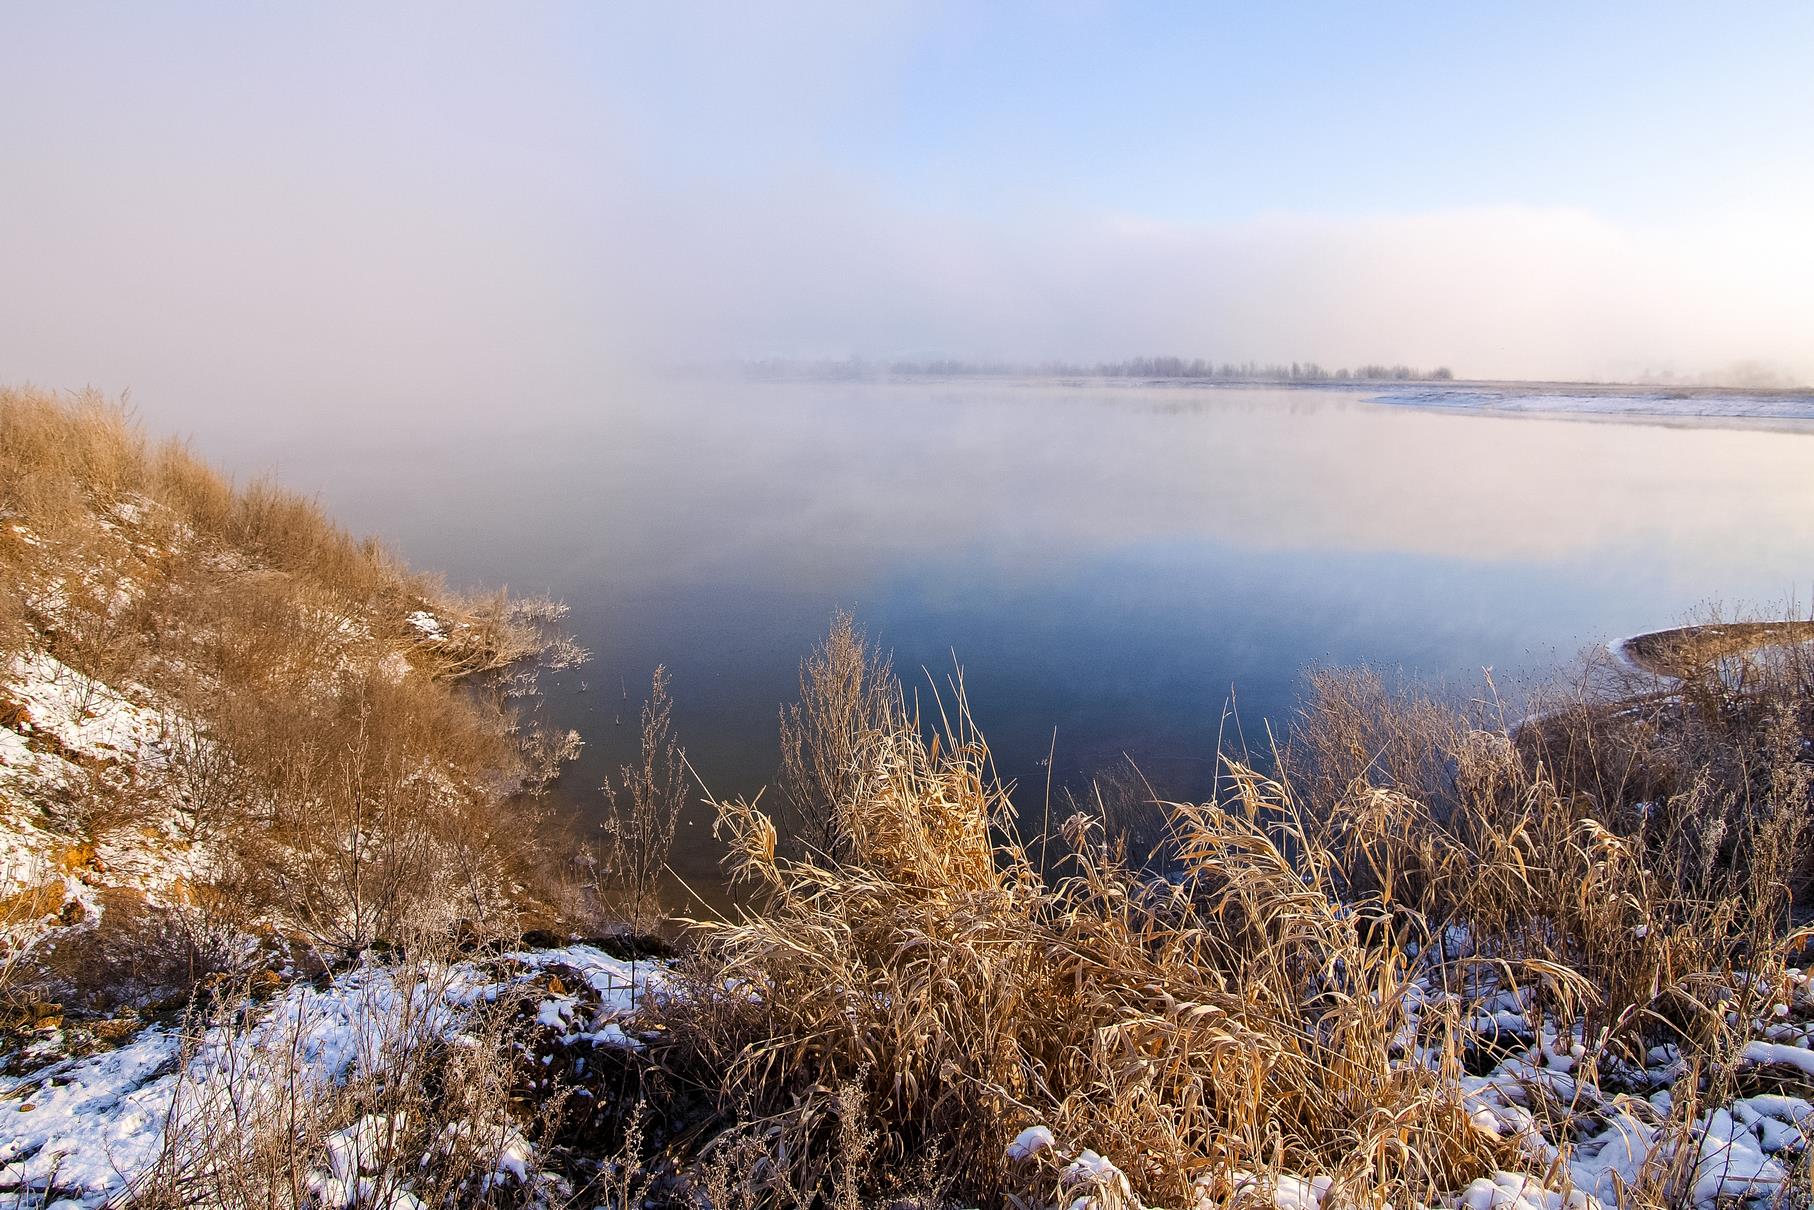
[1610, 401]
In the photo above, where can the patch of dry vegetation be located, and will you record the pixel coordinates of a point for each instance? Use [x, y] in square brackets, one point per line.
[317, 779]
[413, 1121]
[628, 865]
[1695, 650]
[1305, 994]
[847, 702]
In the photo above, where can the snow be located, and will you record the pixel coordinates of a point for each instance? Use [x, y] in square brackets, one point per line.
[1289, 1191]
[89, 1122]
[1097, 1183]
[620, 984]
[1767, 1053]
[1785, 406]
[1776, 1105]
[1510, 1191]
[1730, 1164]
[76, 730]
[355, 1172]
[427, 624]
[1030, 1142]
[84, 715]
[95, 1124]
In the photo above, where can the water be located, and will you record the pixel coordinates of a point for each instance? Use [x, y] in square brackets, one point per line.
[1118, 563]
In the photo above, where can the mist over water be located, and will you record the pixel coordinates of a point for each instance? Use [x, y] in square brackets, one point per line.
[418, 210]
[1119, 563]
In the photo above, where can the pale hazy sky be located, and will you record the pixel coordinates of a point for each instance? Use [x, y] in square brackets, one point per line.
[376, 203]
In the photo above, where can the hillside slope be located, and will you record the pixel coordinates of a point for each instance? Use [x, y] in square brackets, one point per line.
[231, 736]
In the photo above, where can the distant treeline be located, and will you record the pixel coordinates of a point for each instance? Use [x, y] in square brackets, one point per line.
[856, 368]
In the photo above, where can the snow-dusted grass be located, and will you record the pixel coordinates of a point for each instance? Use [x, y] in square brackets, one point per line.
[69, 725]
[225, 728]
[159, 1110]
[1433, 963]
[1430, 963]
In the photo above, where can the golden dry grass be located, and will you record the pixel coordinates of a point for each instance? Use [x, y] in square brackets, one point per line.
[1685, 650]
[315, 749]
[1288, 1000]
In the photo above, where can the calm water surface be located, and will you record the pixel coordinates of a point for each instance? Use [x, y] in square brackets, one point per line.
[1111, 562]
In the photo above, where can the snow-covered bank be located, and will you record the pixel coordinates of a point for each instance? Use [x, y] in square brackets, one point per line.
[1597, 1128]
[89, 1128]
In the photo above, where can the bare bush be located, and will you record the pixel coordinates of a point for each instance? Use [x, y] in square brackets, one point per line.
[28, 901]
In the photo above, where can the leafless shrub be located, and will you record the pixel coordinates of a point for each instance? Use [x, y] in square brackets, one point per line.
[369, 820]
[625, 1180]
[208, 787]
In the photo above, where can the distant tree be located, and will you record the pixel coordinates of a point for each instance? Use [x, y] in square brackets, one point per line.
[1151, 367]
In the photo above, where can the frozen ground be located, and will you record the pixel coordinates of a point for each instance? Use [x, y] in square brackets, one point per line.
[1692, 404]
[86, 1129]
[1598, 1126]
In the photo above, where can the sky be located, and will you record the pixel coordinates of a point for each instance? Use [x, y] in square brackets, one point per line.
[393, 205]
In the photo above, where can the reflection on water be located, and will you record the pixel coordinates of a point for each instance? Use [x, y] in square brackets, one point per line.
[1111, 562]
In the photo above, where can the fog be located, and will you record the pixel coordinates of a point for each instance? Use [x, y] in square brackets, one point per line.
[435, 211]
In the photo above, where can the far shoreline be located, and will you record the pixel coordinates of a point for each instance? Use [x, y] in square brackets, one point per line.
[1789, 409]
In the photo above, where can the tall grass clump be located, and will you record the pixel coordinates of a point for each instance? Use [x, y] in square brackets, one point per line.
[642, 811]
[846, 704]
[1306, 992]
[1227, 1022]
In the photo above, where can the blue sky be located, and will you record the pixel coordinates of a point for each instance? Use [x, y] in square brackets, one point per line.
[1187, 112]
[542, 192]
